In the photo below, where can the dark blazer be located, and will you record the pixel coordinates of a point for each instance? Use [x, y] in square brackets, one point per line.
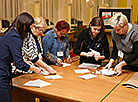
[10, 50]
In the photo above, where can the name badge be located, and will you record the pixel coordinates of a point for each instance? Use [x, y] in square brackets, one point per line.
[120, 54]
[60, 53]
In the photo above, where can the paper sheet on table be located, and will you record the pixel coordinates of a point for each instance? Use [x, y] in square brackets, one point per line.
[87, 76]
[66, 64]
[37, 83]
[89, 65]
[81, 70]
[53, 77]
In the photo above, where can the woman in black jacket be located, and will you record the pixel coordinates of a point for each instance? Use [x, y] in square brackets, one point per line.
[92, 44]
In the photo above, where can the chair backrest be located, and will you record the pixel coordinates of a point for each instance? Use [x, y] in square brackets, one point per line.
[5, 23]
[77, 33]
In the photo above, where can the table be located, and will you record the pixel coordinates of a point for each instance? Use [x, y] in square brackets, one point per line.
[123, 94]
[70, 88]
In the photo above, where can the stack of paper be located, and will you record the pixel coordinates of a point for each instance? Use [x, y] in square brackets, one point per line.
[89, 65]
[81, 70]
[37, 83]
[107, 72]
[132, 82]
[53, 77]
[87, 76]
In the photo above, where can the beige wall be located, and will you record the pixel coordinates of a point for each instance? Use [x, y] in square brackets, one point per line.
[134, 5]
[122, 3]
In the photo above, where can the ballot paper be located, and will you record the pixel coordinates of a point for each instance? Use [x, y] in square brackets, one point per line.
[44, 73]
[66, 64]
[107, 72]
[37, 83]
[87, 76]
[89, 65]
[53, 77]
[132, 82]
[81, 70]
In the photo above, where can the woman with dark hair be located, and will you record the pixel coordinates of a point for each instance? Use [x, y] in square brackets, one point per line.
[55, 44]
[92, 45]
[10, 45]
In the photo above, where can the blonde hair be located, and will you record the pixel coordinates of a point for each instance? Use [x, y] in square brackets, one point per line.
[118, 20]
[40, 22]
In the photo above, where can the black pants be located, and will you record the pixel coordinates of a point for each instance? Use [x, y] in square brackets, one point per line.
[5, 95]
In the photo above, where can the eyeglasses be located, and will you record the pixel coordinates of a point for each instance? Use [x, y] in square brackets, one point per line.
[36, 28]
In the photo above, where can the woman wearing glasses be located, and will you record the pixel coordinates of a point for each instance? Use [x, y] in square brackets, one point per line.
[32, 48]
[92, 44]
[55, 44]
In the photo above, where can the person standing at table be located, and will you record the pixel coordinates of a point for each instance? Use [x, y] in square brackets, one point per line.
[10, 45]
[125, 43]
[32, 47]
[55, 44]
[92, 45]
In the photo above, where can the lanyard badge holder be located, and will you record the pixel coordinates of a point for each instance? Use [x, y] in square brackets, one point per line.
[60, 53]
[120, 53]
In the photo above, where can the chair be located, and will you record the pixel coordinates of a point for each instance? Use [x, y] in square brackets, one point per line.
[74, 39]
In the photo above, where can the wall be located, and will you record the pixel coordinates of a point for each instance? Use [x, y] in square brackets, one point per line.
[134, 5]
[55, 10]
[122, 3]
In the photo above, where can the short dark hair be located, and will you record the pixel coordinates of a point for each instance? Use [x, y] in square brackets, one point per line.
[62, 25]
[97, 21]
[22, 23]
